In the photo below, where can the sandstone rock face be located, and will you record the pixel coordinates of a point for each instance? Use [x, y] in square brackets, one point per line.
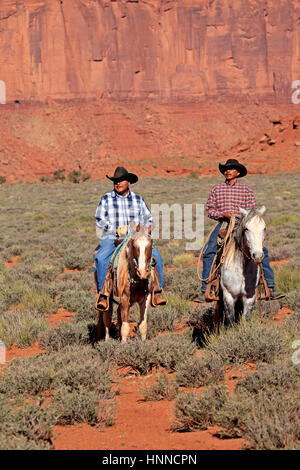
[162, 49]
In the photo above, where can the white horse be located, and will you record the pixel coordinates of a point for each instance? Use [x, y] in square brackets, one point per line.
[239, 272]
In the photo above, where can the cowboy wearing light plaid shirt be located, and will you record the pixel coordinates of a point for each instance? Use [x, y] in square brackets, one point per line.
[116, 209]
[225, 199]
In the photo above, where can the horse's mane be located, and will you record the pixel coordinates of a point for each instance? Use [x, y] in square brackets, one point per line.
[238, 230]
[238, 233]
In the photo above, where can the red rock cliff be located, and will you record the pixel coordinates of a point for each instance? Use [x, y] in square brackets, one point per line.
[166, 49]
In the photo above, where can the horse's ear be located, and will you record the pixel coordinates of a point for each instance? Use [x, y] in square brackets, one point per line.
[132, 226]
[262, 210]
[138, 228]
[243, 211]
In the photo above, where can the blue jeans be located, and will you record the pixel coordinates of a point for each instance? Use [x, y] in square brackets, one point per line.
[104, 253]
[210, 251]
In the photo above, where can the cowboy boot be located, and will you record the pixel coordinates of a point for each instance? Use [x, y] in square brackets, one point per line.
[158, 298]
[102, 302]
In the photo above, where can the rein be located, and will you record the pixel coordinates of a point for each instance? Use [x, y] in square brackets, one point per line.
[225, 244]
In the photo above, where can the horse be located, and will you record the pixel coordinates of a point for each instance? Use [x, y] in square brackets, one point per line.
[239, 274]
[134, 283]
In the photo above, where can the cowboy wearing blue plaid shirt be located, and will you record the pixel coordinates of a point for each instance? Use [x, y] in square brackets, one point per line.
[116, 209]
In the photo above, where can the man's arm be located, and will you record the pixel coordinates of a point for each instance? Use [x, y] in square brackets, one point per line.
[146, 216]
[102, 220]
[250, 199]
[211, 207]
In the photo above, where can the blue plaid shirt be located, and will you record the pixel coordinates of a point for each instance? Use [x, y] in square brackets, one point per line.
[114, 211]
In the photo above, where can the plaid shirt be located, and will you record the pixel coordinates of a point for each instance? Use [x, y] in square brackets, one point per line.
[226, 198]
[114, 211]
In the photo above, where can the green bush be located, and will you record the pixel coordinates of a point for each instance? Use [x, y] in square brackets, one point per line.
[287, 278]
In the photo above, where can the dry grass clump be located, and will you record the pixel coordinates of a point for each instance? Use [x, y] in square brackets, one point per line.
[21, 328]
[249, 341]
[161, 389]
[196, 372]
[65, 334]
[264, 409]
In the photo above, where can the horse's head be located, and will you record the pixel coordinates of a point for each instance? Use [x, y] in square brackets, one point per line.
[253, 228]
[140, 251]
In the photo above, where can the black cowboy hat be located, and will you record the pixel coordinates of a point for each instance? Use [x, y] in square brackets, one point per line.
[233, 163]
[121, 174]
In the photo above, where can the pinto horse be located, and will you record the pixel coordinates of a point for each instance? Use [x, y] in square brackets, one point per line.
[239, 272]
[135, 281]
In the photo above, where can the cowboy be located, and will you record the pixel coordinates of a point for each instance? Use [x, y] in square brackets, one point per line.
[116, 209]
[224, 200]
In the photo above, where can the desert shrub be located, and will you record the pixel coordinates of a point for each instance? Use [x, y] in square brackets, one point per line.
[25, 428]
[140, 355]
[283, 219]
[193, 412]
[183, 282]
[21, 328]
[106, 350]
[73, 367]
[287, 278]
[59, 175]
[76, 260]
[293, 323]
[292, 299]
[195, 372]
[264, 410]
[39, 301]
[249, 341]
[55, 339]
[79, 405]
[281, 252]
[44, 271]
[79, 301]
[266, 308]
[2, 179]
[160, 320]
[282, 376]
[161, 389]
[77, 177]
[183, 259]
[173, 349]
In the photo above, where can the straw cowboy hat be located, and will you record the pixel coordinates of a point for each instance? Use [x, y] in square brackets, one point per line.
[121, 174]
[233, 163]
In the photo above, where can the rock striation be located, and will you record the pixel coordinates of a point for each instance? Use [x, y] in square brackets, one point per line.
[169, 50]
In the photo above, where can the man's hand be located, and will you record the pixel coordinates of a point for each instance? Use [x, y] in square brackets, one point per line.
[227, 215]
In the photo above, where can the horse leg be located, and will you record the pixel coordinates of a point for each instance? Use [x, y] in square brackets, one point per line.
[144, 305]
[100, 330]
[229, 303]
[248, 305]
[107, 316]
[124, 311]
